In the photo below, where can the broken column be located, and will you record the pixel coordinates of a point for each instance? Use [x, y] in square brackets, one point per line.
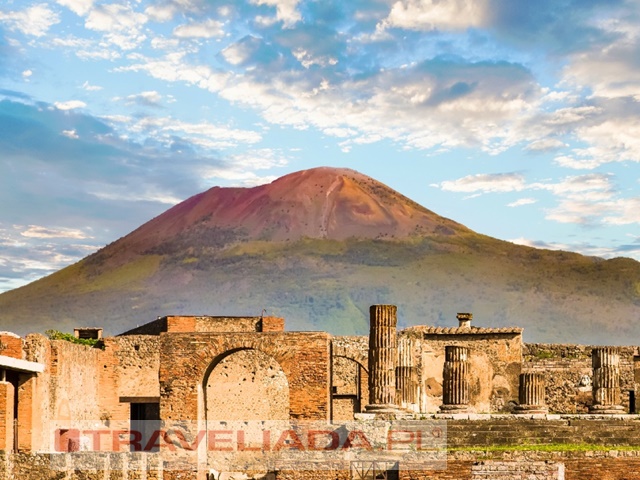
[383, 355]
[455, 384]
[407, 375]
[531, 394]
[606, 380]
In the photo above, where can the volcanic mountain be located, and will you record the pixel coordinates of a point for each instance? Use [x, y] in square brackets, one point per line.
[318, 247]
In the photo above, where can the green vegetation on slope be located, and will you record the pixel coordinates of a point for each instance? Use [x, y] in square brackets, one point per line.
[328, 285]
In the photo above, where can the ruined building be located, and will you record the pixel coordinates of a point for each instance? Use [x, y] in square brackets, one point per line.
[492, 391]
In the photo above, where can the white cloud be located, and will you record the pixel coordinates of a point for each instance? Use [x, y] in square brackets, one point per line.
[594, 183]
[522, 201]
[205, 135]
[114, 17]
[260, 159]
[98, 54]
[70, 105]
[173, 68]
[501, 182]
[161, 13]
[70, 133]
[615, 139]
[237, 53]
[207, 29]
[27, 74]
[436, 14]
[35, 20]
[144, 193]
[90, 88]
[545, 145]
[36, 231]
[624, 212]
[79, 7]
[120, 23]
[149, 99]
[237, 177]
[609, 72]
[286, 10]
[583, 248]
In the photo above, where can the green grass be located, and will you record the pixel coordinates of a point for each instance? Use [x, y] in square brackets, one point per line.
[130, 275]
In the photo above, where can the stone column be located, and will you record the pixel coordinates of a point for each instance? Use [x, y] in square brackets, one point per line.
[606, 381]
[406, 375]
[455, 384]
[383, 355]
[531, 394]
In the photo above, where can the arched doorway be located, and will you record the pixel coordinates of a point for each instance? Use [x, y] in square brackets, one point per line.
[246, 385]
[349, 387]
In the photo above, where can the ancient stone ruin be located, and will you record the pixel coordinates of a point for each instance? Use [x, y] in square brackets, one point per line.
[171, 398]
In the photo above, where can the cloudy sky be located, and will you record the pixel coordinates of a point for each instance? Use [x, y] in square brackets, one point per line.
[517, 118]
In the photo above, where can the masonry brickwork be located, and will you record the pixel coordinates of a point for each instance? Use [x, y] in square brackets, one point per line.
[200, 368]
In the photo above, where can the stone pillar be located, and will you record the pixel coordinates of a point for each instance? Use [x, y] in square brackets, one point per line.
[407, 375]
[531, 394]
[606, 380]
[383, 355]
[455, 384]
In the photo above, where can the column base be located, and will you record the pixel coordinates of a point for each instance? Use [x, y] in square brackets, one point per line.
[607, 409]
[530, 409]
[456, 409]
[381, 408]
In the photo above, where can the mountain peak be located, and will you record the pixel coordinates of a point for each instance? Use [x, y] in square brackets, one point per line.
[323, 202]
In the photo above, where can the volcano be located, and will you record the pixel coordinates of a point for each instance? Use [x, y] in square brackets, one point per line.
[318, 247]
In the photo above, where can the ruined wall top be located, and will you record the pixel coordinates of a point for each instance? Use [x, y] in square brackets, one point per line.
[465, 330]
[208, 324]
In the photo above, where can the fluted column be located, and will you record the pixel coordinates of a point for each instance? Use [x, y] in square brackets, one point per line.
[531, 394]
[606, 380]
[455, 384]
[406, 375]
[383, 355]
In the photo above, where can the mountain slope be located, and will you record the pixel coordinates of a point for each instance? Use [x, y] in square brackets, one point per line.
[318, 247]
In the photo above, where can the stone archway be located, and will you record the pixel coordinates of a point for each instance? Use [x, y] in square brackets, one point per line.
[350, 392]
[246, 384]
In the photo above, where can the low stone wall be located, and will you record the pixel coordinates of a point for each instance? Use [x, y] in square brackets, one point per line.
[461, 465]
[550, 430]
[568, 374]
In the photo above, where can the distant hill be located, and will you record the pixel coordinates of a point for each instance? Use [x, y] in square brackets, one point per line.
[318, 247]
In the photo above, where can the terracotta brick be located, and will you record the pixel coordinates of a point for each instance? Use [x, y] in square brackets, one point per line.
[10, 345]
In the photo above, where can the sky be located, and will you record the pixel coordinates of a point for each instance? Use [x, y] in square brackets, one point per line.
[519, 119]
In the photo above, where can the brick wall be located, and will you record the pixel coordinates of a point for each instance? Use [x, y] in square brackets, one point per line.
[10, 345]
[185, 360]
[6, 416]
[272, 324]
[177, 324]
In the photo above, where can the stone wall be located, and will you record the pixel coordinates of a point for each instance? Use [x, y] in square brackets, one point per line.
[137, 363]
[568, 374]
[460, 465]
[511, 430]
[494, 365]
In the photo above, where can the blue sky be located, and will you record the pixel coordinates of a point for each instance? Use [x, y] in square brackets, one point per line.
[518, 119]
